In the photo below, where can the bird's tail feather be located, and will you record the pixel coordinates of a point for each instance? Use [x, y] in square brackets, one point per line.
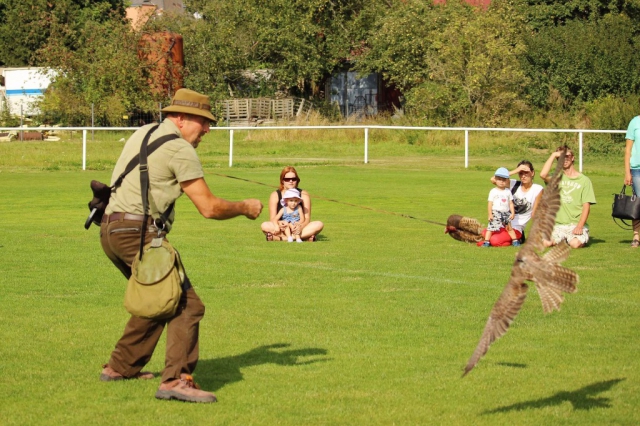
[552, 284]
[550, 297]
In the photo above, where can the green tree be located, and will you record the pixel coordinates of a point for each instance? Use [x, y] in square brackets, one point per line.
[451, 60]
[300, 41]
[26, 25]
[544, 13]
[3, 8]
[216, 45]
[101, 68]
[584, 60]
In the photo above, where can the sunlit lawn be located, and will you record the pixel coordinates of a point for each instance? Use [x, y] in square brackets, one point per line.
[370, 325]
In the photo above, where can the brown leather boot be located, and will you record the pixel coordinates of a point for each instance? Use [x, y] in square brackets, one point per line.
[184, 389]
[109, 375]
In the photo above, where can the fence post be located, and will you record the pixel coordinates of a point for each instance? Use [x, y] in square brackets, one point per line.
[366, 145]
[84, 149]
[580, 152]
[466, 148]
[21, 125]
[231, 148]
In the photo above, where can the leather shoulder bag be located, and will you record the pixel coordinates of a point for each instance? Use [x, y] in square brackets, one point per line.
[625, 207]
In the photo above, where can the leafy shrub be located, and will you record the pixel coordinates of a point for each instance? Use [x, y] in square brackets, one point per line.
[609, 113]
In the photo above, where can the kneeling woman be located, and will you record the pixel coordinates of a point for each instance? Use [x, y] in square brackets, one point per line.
[308, 230]
[525, 198]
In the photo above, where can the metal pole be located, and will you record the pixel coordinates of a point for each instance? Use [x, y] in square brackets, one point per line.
[466, 149]
[580, 152]
[231, 148]
[84, 149]
[366, 145]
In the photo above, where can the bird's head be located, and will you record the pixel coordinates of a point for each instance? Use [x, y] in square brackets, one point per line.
[449, 229]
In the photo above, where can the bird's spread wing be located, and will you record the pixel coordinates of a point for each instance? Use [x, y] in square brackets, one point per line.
[557, 254]
[550, 278]
[545, 215]
[501, 317]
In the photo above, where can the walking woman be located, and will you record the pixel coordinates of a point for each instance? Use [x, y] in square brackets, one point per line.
[632, 168]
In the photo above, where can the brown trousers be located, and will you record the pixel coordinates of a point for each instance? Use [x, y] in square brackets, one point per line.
[121, 241]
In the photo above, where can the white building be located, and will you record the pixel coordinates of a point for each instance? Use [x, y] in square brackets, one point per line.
[22, 88]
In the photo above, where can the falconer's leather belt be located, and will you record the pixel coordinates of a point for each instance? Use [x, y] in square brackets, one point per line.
[122, 216]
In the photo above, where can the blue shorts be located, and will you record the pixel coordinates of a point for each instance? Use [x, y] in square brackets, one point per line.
[635, 180]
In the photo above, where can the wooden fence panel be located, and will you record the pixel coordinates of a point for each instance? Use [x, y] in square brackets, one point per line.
[241, 112]
[283, 109]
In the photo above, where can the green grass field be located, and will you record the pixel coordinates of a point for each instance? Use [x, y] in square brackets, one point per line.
[372, 324]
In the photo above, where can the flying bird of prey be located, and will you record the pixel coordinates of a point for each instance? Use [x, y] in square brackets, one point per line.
[532, 264]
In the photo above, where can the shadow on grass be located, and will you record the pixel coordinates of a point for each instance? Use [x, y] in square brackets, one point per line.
[593, 241]
[319, 237]
[626, 243]
[581, 399]
[213, 374]
[512, 364]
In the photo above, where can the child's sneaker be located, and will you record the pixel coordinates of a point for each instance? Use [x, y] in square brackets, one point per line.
[486, 244]
[515, 243]
[290, 239]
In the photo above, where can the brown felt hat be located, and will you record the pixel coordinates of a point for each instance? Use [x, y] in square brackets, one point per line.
[190, 102]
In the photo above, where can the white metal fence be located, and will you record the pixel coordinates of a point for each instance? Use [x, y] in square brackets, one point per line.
[467, 130]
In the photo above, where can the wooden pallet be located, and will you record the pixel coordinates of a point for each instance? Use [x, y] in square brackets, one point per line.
[252, 112]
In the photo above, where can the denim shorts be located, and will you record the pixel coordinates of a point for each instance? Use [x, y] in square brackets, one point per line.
[635, 180]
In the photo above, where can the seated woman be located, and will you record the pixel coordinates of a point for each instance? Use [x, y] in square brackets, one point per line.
[308, 230]
[525, 199]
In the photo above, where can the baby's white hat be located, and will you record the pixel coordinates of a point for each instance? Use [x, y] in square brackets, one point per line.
[289, 193]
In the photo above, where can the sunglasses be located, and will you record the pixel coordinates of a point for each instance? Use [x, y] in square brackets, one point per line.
[287, 179]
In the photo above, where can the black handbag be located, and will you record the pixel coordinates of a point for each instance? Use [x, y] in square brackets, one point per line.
[625, 207]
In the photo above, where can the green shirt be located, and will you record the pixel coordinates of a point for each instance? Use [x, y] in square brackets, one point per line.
[174, 162]
[574, 192]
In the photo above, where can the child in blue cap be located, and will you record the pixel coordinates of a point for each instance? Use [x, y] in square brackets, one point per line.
[500, 207]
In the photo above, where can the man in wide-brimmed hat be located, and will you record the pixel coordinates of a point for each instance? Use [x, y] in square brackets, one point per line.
[173, 168]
